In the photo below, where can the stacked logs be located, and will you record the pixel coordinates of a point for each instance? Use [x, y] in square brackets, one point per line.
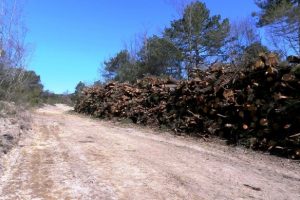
[257, 106]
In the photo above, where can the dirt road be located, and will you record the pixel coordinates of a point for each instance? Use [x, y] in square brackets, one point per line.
[73, 157]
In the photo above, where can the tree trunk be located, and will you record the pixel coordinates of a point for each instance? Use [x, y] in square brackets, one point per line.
[197, 58]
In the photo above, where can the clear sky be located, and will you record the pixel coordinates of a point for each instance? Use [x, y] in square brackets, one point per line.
[72, 38]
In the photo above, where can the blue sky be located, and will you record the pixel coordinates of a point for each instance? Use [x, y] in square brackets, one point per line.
[70, 39]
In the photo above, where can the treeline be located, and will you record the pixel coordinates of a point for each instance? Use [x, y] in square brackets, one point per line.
[20, 86]
[24, 87]
[16, 83]
[198, 39]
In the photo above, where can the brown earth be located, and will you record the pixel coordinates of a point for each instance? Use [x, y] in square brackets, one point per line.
[74, 157]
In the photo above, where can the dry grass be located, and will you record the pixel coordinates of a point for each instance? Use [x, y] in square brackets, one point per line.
[14, 122]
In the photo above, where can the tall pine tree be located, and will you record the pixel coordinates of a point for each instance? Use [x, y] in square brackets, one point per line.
[197, 34]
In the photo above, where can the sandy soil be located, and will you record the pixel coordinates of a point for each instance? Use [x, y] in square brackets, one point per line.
[14, 122]
[74, 157]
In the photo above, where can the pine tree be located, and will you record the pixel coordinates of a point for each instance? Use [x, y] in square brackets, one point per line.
[283, 17]
[197, 34]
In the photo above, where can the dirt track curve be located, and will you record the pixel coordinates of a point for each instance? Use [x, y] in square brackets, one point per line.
[73, 157]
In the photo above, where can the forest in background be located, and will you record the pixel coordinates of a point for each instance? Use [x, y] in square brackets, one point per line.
[196, 40]
[17, 84]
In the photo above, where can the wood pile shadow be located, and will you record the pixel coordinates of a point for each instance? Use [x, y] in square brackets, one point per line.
[258, 106]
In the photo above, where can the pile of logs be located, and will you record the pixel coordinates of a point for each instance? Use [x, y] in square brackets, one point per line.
[257, 106]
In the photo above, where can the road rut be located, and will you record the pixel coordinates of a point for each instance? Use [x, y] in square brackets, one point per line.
[74, 157]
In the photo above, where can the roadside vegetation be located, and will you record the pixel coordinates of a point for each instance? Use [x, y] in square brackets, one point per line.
[17, 84]
[20, 89]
